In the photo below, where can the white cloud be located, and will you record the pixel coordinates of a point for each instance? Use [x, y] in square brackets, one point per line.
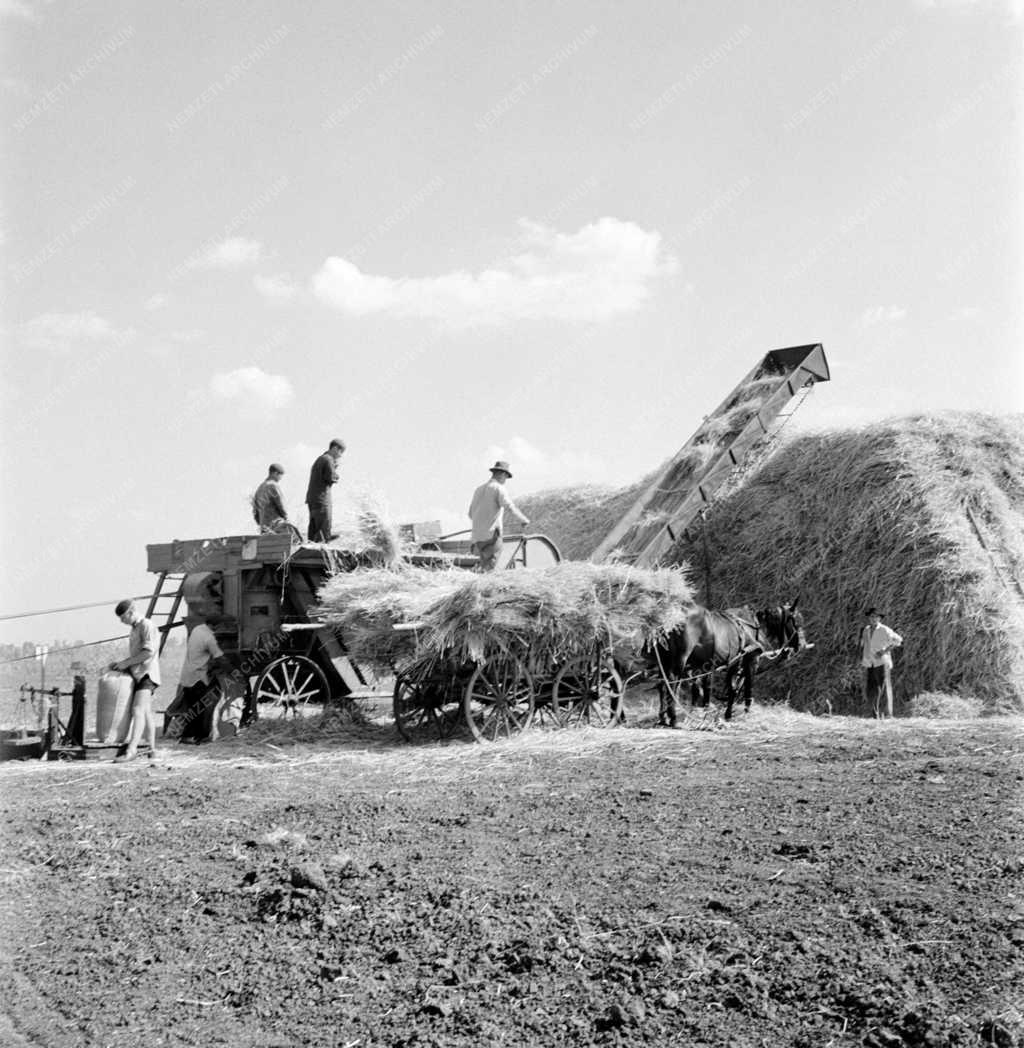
[19, 9]
[233, 253]
[16, 86]
[157, 301]
[534, 468]
[62, 332]
[882, 315]
[605, 269]
[1012, 8]
[252, 388]
[188, 337]
[278, 288]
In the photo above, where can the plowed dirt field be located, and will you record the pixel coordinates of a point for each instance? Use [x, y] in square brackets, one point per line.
[783, 881]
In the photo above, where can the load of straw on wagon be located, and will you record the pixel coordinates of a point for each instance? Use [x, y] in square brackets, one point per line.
[498, 651]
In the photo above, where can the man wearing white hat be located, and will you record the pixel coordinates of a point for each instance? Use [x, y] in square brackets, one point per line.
[487, 512]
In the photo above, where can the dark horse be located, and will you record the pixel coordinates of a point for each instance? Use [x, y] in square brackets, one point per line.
[733, 641]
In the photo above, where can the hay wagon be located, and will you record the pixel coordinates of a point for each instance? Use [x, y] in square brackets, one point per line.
[493, 693]
[259, 592]
[502, 694]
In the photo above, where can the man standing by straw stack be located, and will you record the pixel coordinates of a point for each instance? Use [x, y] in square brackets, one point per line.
[876, 642]
[487, 512]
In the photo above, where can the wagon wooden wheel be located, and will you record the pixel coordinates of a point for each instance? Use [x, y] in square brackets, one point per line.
[498, 699]
[425, 708]
[545, 713]
[290, 682]
[587, 692]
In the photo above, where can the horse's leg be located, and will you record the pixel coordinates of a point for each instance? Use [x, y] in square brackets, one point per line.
[730, 691]
[749, 662]
[666, 705]
[698, 695]
[666, 696]
[675, 664]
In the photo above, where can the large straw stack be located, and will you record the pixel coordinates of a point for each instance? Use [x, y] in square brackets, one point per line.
[854, 518]
[545, 614]
[577, 519]
[877, 517]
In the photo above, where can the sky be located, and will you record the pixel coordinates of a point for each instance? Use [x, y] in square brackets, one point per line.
[555, 233]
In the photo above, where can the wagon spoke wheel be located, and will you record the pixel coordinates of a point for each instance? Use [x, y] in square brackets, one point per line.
[425, 710]
[588, 693]
[545, 713]
[290, 682]
[498, 700]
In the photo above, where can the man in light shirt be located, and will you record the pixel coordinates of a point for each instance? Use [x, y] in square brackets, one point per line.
[143, 663]
[197, 701]
[487, 512]
[876, 642]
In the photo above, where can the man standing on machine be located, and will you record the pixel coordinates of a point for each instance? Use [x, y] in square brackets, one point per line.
[322, 477]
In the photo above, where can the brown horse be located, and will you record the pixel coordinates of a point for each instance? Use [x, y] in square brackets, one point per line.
[732, 641]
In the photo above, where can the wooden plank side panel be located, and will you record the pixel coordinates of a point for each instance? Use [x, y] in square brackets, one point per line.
[233, 551]
[185, 556]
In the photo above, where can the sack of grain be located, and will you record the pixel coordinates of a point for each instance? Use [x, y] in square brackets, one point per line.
[114, 707]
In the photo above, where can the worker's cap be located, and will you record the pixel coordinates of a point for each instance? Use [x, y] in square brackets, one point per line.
[122, 607]
[871, 613]
[275, 467]
[501, 467]
[337, 443]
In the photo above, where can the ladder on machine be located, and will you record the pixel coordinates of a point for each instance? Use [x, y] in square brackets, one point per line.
[168, 587]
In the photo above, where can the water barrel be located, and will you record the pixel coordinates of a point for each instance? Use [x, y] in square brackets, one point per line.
[114, 707]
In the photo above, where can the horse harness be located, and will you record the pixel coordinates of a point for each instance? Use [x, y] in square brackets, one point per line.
[788, 630]
[710, 669]
[756, 627]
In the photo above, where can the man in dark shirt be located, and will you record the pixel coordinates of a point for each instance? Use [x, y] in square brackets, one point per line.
[322, 476]
[267, 503]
